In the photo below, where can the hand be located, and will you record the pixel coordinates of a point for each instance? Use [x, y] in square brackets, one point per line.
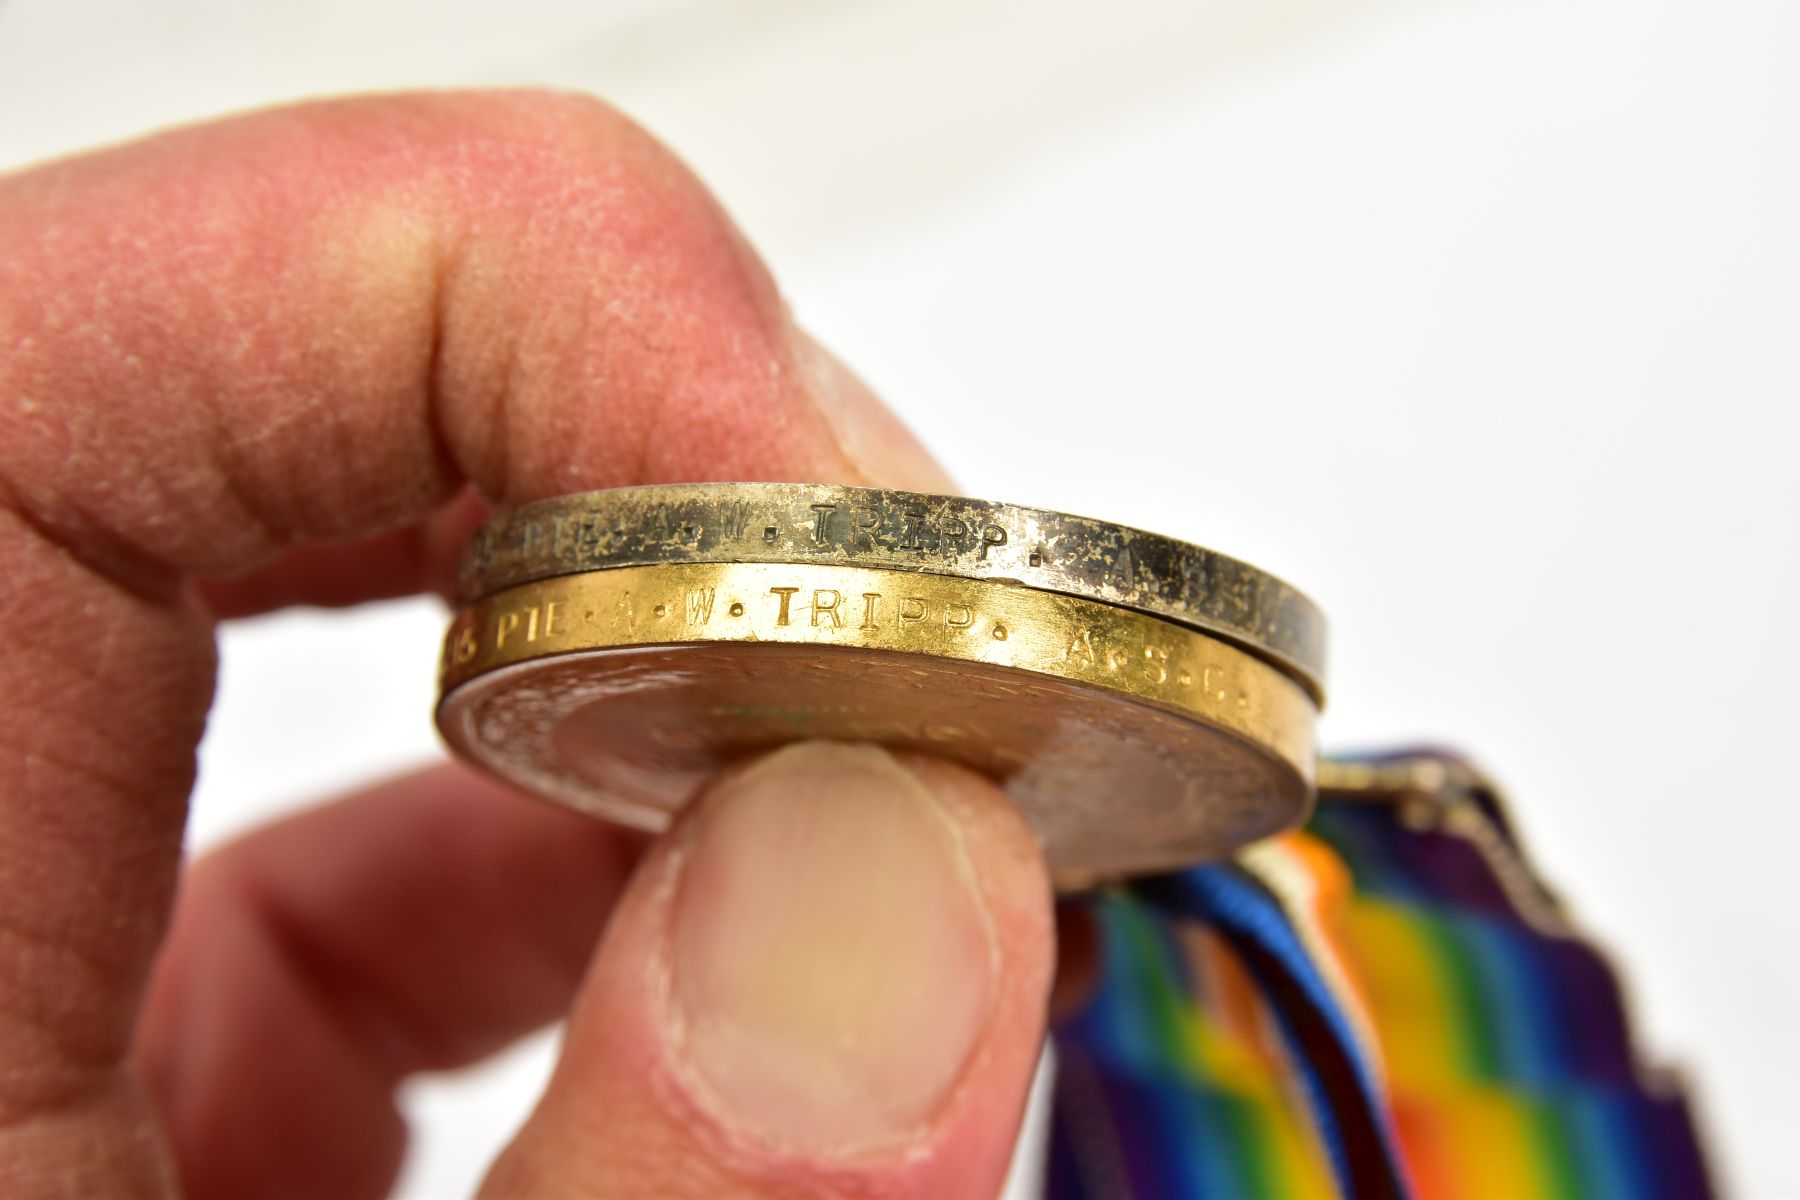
[263, 362]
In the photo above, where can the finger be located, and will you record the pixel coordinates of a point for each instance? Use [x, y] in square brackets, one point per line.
[829, 980]
[333, 574]
[310, 324]
[417, 926]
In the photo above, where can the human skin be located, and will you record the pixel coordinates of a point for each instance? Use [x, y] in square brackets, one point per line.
[288, 359]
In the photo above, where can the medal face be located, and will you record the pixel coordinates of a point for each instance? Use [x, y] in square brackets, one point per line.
[612, 654]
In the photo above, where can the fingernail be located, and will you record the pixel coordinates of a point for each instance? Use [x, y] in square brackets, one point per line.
[868, 434]
[832, 964]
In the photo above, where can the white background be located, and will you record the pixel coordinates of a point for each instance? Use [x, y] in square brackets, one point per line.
[1478, 320]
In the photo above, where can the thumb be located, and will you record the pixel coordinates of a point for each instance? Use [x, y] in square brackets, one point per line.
[829, 979]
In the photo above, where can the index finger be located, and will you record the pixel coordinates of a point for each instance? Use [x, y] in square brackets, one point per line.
[314, 323]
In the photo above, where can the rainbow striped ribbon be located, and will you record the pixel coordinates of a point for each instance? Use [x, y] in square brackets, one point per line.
[1389, 1004]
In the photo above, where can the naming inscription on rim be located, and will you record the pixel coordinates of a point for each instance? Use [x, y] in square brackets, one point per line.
[907, 531]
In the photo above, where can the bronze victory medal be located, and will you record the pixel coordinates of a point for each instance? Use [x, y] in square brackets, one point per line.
[1133, 742]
